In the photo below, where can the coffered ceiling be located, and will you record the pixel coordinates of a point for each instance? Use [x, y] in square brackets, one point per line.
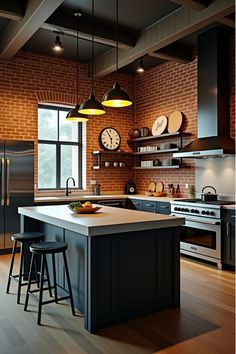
[154, 30]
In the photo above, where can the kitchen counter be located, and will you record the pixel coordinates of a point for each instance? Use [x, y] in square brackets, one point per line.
[106, 221]
[71, 198]
[116, 259]
[229, 206]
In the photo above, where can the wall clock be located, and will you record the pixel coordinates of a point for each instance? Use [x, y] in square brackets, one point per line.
[109, 139]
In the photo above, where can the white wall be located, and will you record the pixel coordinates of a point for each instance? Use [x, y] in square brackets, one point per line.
[217, 172]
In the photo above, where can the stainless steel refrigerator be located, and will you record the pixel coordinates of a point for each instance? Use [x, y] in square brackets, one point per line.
[16, 186]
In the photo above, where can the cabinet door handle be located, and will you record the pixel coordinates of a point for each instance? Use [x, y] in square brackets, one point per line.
[233, 216]
[3, 181]
[8, 182]
[228, 229]
[148, 205]
[163, 206]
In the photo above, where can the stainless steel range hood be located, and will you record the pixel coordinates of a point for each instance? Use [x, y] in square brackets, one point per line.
[213, 98]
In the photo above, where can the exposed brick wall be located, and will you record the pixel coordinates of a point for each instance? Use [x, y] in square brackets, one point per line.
[29, 78]
[167, 88]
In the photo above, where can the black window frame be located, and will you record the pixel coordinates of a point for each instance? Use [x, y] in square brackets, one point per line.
[58, 143]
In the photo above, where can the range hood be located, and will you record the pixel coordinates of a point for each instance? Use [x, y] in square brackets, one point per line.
[213, 98]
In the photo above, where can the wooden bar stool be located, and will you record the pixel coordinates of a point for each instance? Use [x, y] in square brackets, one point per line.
[23, 238]
[48, 248]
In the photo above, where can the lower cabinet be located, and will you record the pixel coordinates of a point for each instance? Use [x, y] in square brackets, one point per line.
[150, 206]
[228, 231]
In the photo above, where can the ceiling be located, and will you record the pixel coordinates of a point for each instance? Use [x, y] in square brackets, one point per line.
[162, 31]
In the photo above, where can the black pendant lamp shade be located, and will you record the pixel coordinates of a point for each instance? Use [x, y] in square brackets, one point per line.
[116, 97]
[140, 68]
[57, 45]
[74, 114]
[91, 106]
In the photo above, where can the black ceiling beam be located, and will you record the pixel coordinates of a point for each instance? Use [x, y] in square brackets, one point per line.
[176, 52]
[193, 4]
[12, 9]
[166, 31]
[17, 33]
[104, 30]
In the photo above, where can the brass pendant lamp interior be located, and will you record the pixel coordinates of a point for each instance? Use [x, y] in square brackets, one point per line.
[91, 106]
[74, 114]
[116, 97]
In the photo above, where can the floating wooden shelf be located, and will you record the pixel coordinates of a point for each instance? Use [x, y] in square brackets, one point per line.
[156, 167]
[155, 137]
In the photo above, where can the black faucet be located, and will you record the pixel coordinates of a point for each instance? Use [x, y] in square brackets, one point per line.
[67, 181]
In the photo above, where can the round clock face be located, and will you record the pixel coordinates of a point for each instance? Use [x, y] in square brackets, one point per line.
[109, 139]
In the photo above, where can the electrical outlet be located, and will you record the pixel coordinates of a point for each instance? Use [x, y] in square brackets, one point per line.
[186, 185]
[93, 182]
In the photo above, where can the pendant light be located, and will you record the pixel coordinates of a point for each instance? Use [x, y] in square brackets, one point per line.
[92, 106]
[74, 114]
[140, 68]
[116, 97]
[57, 45]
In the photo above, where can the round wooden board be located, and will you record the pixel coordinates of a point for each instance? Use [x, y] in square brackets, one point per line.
[159, 187]
[174, 121]
[159, 125]
[152, 187]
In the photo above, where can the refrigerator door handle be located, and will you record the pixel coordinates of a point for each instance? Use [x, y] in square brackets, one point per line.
[2, 181]
[8, 181]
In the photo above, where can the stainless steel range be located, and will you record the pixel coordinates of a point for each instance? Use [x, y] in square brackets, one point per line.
[201, 235]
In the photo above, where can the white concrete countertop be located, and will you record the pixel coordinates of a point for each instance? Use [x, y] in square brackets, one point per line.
[107, 220]
[229, 206]
[72, 198]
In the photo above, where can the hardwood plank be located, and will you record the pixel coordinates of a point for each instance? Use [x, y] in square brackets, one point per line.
[203, 324]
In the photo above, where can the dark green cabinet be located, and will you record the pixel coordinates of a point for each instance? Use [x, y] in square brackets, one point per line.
[149, 205]
[228, 229]
[135, 204]
[163, 208]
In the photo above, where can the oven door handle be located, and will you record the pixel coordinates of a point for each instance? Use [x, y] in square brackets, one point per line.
[205, 222]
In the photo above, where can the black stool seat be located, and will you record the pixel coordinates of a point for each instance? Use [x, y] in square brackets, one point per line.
[48, 247]
[27, 236]
[25, 239]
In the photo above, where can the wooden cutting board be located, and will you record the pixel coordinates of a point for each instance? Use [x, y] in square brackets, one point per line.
[152, 187]
[159, 125]
[159, 187]
[174, 122]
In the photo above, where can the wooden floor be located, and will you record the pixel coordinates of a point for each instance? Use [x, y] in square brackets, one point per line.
[204, 324]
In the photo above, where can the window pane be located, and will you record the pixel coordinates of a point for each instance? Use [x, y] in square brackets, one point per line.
[47, 124]
[69, 164]
[46, 166]
[68, 130]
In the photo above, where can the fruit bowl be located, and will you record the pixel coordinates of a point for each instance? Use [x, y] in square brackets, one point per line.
[87, 210]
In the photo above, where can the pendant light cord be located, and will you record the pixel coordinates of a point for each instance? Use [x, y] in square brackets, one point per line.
[92, 43]
[116, 40]
[77, 55]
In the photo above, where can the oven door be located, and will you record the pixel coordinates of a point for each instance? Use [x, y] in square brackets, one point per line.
[201, 237]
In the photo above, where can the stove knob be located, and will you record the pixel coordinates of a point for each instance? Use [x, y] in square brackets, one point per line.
[181, 209]
[203, 212]
[175, 208]
[192, 211]
[207, 213]
[186, 210]
[212, 213]
[196, 211]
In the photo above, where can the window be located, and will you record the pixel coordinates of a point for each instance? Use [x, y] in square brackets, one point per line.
[59, 148]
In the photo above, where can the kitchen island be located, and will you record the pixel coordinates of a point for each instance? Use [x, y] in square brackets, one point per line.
[123, 263]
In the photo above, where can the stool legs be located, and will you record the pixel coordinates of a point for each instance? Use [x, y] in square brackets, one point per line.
[20, 277]
[29, 282]
[69, 283]
[11, 267]
[41, 289]
[54, 277]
